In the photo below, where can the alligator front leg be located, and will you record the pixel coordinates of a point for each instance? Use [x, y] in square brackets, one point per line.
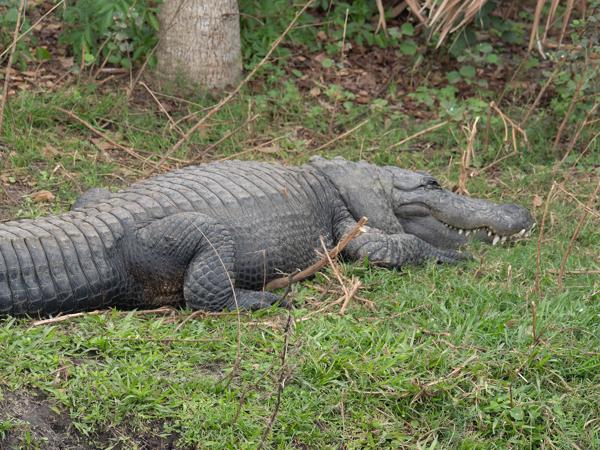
[397, 250]
[194, 254]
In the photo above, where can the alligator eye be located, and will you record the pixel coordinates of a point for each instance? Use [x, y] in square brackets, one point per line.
[432, 183]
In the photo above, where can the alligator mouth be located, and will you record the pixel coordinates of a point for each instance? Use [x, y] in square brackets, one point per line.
[492, 235]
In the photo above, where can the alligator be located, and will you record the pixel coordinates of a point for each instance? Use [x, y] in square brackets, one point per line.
[212, 236]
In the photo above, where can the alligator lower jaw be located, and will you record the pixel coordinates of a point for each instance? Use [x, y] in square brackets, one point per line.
[496, 238]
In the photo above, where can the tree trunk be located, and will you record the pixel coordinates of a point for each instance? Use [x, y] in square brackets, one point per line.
[200, 42]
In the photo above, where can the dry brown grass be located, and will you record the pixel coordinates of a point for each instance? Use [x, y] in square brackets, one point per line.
[448, 16]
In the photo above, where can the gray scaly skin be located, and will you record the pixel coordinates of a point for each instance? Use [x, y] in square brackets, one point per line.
[192, 234]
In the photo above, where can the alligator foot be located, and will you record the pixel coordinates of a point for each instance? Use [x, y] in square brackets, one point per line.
[255, 300]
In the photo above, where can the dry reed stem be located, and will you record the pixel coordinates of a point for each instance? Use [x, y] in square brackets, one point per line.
[418, 134]
[356, 284]
[416, 10]
[549, 19]
[513, 124]
[332, 254]
[9, 63]
[538, 258]
[582, 220]
[233, 93]
[381, 21]
[467, 156]
[348, 292]
[534, 36]
[566, 17]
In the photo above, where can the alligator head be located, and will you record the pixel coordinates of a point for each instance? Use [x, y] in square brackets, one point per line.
[397, 200]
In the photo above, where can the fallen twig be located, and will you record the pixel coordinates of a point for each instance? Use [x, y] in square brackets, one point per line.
[348, 292]
[333, 253]
[161, 310]
[9, 63]
[233, 93]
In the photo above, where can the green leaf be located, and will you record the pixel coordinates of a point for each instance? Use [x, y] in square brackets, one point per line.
[42, 54]
[453, 77]
[492, 58]
[408, 47]
[327, 63]
[407, 29]
[153, 22]
[467, 71]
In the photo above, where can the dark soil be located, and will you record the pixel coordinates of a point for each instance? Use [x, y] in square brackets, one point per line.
[36, 422]
[30, 420]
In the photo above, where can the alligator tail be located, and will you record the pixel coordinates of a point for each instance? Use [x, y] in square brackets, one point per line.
[59, 264]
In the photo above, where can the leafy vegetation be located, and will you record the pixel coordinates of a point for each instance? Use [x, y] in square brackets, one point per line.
[468, 356]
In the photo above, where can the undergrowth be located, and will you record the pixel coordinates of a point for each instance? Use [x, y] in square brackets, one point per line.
[468, 356]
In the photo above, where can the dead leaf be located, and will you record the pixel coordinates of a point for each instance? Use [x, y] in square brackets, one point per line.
[274, 148]
[42, 196]
[102, 144]
[49, 151]
[537, 201]
[322, 36]
[315, 92]
[65, 62]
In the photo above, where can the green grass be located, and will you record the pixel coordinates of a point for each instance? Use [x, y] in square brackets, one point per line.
[444, 359]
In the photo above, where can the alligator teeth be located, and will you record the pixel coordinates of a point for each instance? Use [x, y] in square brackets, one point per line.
[460, 231]
[467, 233]
[496, 239]
[522, 232]
[489, 233]
[503, 240]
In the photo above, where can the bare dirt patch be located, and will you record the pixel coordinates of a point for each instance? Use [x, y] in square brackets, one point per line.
[30, 419]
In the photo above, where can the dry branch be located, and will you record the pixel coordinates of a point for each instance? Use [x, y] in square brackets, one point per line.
[161, 310]
[333, 253]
